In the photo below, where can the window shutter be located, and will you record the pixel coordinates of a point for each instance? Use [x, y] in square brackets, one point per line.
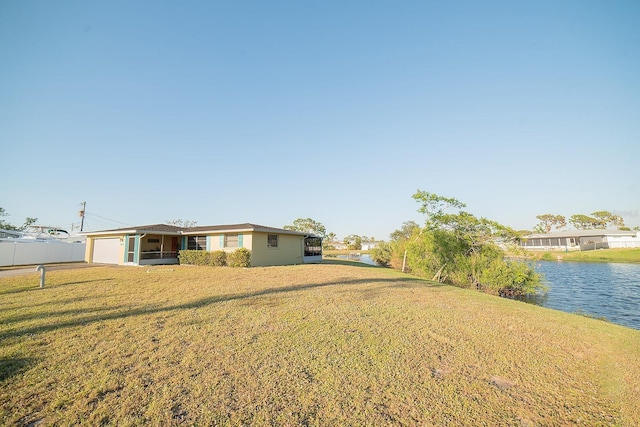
[208, 243]
[221, 241]
[239, 240]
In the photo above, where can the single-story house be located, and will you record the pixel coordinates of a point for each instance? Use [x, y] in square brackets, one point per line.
[584, 240]
[369, 245]
[161, 243]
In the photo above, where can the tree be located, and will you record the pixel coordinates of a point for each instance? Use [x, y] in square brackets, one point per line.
[185, 223]
[405, 232]
[547, 221]
[599, 220]
[618, 221]
[28, 222]
[382, 254]
[327, 244]
[459, 248]
[3, 224]
[605, 218]
[7, 226]
[353, 242]
[434, 206]
[308, 225]
[583, 222]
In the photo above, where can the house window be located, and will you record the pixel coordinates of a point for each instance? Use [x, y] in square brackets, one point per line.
[230, 240]
[272, 240]
[197, 243]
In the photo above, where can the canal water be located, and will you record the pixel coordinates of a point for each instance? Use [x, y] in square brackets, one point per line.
[609, 290]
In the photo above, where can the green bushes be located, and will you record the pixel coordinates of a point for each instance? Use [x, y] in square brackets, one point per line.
[382, 254]
[463, 250]
[239, 258]
[510, 279]
[194, 257]
[547, 256]
[218, 258]
[439, 256]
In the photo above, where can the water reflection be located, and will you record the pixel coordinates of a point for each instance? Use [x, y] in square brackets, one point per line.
[604, 290]
[365, 258]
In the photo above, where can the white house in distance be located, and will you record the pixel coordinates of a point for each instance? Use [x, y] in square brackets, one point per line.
[582, 240]
[161, 243]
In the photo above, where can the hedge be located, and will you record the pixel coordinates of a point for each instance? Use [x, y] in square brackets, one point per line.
[238, 258]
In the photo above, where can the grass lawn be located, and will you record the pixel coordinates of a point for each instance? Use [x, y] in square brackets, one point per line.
[604, 255]
[336, 343]
[601, 255]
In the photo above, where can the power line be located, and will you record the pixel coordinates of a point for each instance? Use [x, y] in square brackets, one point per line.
[90, 214]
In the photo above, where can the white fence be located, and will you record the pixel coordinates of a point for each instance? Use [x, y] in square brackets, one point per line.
[624, 242]
[21, 252]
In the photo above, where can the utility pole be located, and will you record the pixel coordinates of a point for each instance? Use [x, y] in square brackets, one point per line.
[84, 206]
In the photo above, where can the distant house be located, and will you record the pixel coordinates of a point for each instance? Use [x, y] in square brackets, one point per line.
[161, 243]
[583, 240]
[367, 246]
[339, 246]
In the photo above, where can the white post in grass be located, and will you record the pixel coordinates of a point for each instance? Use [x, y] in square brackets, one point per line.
[41, 269]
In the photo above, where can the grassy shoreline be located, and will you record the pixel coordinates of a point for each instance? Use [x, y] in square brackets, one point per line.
[628, 255]
[337, 343]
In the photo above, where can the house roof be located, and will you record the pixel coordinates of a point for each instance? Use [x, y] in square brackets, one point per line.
[167, 229]
[240, 227]
[154, 228]
[581, 233]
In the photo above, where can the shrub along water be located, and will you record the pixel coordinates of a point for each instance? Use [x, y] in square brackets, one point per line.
[460, 249]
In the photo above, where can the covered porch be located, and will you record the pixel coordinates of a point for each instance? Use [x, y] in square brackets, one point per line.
[312, 249]
[151, 249]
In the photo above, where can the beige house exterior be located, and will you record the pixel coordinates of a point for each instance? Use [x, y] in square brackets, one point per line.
[161, 244]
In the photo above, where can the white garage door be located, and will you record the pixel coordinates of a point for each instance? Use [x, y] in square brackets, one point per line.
[106, 251]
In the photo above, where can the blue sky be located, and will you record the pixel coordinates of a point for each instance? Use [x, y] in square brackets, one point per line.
[237, 111]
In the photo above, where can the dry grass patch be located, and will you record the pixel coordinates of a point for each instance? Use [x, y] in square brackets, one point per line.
[328, 344]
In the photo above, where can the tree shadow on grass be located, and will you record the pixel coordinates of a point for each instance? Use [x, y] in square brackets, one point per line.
[59, 302]
[51, 315]
[84, 320]
[36, 286]
[11, 366]
[351, 263]
[80, 282]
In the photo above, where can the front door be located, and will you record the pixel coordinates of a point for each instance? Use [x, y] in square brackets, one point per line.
[131, 249]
